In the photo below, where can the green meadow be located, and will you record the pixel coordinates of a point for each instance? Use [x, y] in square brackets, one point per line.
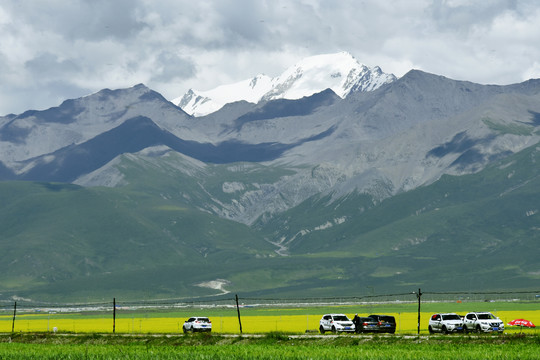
[271, 346]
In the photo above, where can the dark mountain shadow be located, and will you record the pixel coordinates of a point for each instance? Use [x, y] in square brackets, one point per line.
[139, 133]
[285, 108]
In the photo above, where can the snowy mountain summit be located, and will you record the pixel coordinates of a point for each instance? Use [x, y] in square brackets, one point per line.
[340, 72]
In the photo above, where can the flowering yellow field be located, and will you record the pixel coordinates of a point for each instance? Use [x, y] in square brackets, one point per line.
[406, 323]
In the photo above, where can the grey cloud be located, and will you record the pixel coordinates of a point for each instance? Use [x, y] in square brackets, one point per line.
[80, 19]
[243, 21]
[99, 19]
[48, 65]
[462, 16]
[226, 24]
[172, 66]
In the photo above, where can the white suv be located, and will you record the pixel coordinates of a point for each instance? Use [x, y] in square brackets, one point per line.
[445, 323]
[482, 322]
[336, 323]
[194, 324]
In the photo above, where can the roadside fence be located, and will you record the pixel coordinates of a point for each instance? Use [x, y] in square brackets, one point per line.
[237, 314]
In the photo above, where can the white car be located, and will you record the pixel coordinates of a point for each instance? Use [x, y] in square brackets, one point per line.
[194, 324]
[445, 323]
[336, 323]
[482, 322]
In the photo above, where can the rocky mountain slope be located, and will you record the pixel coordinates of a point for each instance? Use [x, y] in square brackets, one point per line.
[403, 135]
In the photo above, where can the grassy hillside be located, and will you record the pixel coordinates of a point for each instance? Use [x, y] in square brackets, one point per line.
[64, 239]
[474, 231]
[157, 237]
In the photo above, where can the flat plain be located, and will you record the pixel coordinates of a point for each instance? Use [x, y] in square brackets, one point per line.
[254, 320]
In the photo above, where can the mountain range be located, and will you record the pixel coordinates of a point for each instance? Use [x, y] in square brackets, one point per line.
[326, 178]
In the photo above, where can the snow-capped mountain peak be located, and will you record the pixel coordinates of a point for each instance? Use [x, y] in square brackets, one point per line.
[199, 103]
[340, 72]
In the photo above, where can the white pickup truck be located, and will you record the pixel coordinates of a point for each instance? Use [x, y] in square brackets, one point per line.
[482, 322]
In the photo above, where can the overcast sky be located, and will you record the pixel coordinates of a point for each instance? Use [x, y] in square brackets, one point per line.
[53, 50]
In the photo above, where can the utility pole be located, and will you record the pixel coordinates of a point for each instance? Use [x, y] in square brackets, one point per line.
[419, 295]
[14, 313]
[114, 316]
[238, 310]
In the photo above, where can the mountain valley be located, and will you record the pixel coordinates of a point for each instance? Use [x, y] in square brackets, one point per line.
[422, 181]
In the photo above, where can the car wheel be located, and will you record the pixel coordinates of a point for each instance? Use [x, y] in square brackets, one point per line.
[430, 329]
[478, 329]
[445, 330]
[334, 329]
[184, 328]
[321, 329]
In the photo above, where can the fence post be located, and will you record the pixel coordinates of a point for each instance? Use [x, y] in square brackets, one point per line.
[419, 295]
[114, 316]
[238, 310]
[14, 313]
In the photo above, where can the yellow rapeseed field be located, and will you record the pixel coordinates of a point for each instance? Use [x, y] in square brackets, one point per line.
[406, 323]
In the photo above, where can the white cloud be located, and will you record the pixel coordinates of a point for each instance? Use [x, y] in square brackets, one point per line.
[58, 49]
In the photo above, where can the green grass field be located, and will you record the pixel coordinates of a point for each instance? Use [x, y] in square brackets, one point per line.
[271, 346]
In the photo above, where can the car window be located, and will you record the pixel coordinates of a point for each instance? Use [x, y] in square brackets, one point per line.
[205, 320]
[341, 318]
[471, 317]
[451, 317]
[327, 317]
[389, 319]
[190, 319]
[486, 316]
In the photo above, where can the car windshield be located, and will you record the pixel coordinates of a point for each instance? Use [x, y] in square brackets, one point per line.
[389, 319]
[341, 318]
[451, 317]
[203, 320]
[488, 316]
